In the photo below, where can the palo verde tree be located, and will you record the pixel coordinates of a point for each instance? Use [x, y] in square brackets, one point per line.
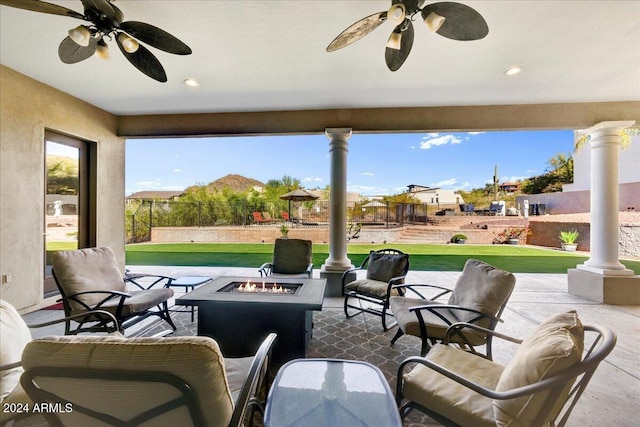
[560, 172]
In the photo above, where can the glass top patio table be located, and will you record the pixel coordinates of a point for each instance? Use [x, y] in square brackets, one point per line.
[330, 392]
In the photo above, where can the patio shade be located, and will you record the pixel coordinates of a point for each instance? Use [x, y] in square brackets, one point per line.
[374, 204]
[298, 195]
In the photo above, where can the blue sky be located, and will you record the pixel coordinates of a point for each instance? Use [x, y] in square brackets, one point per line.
[378, 164]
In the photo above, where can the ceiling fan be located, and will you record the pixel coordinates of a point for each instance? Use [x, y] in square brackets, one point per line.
[106, 22]
[452, 20]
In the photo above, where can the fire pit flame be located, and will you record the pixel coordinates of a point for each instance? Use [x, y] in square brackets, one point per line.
[255, 288]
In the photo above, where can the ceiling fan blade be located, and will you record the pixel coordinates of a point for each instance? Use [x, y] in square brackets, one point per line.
[394, 57]
[70, 52]
[461, 21]
[155, 37]
[357, 31]
[102, 5]
[41, 6]
[145, 61]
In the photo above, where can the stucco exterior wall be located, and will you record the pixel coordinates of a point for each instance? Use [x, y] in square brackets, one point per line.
[580, 201]
[27, 108]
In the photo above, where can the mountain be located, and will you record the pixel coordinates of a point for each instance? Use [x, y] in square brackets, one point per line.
[235, 182]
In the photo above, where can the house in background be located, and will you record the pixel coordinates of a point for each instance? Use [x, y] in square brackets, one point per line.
[509, 187]
[435, 195]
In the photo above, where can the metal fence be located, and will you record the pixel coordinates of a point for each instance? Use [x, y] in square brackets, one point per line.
[142, 218]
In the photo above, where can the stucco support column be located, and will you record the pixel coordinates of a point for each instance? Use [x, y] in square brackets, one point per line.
[337, 262]
[603, 277]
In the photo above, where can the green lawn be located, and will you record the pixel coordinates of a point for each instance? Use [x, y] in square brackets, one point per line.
[425, 257]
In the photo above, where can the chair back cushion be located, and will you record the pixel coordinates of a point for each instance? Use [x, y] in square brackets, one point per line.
[481, 287]
[196, 360]
[551, 348]
[14, 336]
[292, 256]
[91, 269]
[384, 267]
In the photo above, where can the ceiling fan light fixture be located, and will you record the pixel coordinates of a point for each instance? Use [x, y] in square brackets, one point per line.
[395, 40]
[102, 50]
[80, 35]
[434, 21]
[397, 13]
[129, 44]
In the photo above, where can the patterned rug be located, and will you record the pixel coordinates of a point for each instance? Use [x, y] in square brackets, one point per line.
[334, 336]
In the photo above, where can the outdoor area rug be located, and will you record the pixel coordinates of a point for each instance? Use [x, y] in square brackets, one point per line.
[334, 336]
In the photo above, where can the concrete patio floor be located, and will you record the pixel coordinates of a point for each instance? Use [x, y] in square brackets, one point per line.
[612, 395]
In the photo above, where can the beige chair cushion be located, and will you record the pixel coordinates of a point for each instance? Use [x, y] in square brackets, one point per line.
[449, 398]
[384, 267]
[14, 336]
[369, 287]
[91, 269]
[481, 287]
[436, 327]
[555, 345]
[197, 360]
[292, 256]
[96, 269]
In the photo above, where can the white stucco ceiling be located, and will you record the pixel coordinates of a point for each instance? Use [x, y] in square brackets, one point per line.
[270, 55]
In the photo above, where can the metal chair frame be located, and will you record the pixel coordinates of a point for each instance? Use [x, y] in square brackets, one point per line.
[428, 341]
[383, 302]
[248, 400]
[96, 322]
[603, 343]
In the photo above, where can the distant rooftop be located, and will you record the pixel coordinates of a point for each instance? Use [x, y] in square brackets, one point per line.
[154, 195]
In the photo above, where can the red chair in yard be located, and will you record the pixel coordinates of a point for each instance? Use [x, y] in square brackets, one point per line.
[257, 217]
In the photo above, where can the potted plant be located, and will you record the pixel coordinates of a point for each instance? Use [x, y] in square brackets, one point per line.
[460, 239]
[568, 238]
[284, 231]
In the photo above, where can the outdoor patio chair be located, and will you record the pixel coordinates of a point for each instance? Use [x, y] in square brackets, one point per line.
[385, 268]
[170, 381]
[259, 219]
[291, 258]
[479, 297]
[15, 335]
[89, 279]
[539, 386]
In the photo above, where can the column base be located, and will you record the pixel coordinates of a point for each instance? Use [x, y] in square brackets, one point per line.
[334, 280]
[614, 290]
[623, 271]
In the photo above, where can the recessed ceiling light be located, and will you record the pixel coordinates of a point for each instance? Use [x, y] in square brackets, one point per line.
[512, 71]
[191, 82]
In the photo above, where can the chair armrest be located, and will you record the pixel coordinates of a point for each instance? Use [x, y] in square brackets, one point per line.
[109, 315]
[132, 278]
[434, 309]
[346, 273]
[265, 269]
[412, 287]
[258, 373]
[111, 294]
[309, 270]
[457, 327]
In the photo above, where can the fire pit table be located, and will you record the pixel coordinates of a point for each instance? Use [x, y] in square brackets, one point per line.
[238, 312]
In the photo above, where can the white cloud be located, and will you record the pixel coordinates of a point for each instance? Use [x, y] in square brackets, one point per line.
[177, 170]
[366, 190]
[367, 173]
[475, 133]
[311, 179]
[446, 183]
[433, 139]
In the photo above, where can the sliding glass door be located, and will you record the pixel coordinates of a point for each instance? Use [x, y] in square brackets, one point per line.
[69, 198]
